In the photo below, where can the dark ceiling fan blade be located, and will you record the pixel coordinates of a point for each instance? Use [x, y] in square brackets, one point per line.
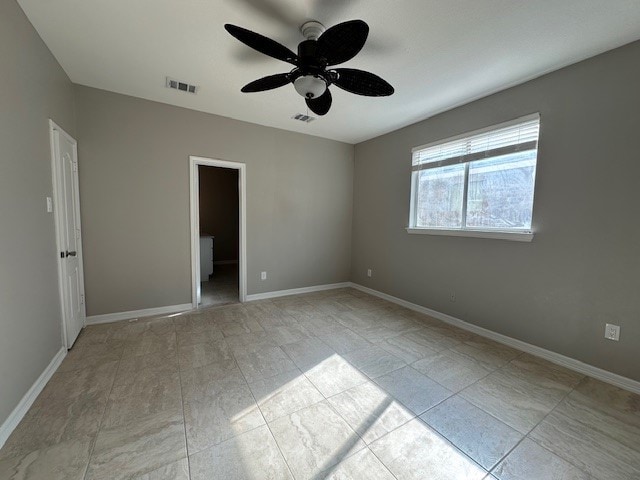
[320, 105]
[342, 42]
[362, 83]
[267, 83]
[262, 44]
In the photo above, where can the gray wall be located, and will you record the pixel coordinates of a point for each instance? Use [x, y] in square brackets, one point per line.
[219, 208]
[34, 89]
[134, 186]
[582, 268]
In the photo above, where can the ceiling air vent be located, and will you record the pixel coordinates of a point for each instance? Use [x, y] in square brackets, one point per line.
[181, 86]
[303, 118]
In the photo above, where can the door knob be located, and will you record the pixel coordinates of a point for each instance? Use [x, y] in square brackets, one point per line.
[70, 254]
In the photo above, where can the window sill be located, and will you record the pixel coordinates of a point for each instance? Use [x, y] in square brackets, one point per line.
[498, 235]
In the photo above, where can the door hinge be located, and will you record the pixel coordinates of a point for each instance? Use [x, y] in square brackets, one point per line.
[82, 299]
[74, 166]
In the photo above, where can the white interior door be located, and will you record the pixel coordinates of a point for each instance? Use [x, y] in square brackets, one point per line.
[67, 209]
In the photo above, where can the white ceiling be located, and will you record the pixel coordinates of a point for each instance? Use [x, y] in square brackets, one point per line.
[436, 53]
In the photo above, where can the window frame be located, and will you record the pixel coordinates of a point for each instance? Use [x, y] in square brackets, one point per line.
[515, 234]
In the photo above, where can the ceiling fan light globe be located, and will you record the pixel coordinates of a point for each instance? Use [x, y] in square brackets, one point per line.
[310, 86]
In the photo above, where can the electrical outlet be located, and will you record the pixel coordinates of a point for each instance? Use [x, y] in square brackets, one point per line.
[263, 275]
[49, 205]
[369, 273]
[612, 332]
[452, 297]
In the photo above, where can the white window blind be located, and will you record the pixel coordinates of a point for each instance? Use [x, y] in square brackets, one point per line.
[482, 181]
[519, 135]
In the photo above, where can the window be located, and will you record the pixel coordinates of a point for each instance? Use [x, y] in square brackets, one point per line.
[477, 184]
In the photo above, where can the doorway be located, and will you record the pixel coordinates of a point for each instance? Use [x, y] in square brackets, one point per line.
[66, 209]
[218, 251]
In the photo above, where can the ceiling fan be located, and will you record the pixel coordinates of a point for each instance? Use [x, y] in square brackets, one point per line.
[312, 73]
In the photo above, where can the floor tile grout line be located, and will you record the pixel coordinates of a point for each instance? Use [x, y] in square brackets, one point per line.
[523, 436]
[414, 416]
[104, 413]
[569, 392]
[328, 403]
[367, 445]
[372, 380]
[418, 416]
[520, 354]
[474, 461]
[504, 457]
[264, 419]
[526, 435]
[436, 432]
[303, 372]
[459, 393]
[448, 388]
[332, 467]
[546, 416]
[382, 463]
[184, 419]
[293, 411]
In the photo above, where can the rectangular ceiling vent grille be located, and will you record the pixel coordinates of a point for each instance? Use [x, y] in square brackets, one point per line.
[303, 118]
[181, 86]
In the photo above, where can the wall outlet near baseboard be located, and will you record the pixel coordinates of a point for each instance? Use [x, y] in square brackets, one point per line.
[369, 273]
[452, 296]
[612, 332]
[263, 275]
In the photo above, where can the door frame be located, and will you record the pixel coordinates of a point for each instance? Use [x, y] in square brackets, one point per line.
[58, 201]
[194, 193]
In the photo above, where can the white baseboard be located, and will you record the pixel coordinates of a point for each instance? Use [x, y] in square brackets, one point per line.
[297, 291]
[226, 262]
[147, 312]
[25, 403]
[558, 359]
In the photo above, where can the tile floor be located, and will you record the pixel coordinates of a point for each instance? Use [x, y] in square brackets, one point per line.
[221, 288]
[330, 385]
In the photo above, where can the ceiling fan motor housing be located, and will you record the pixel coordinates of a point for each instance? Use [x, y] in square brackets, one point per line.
[310, 57]
[311, 82]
